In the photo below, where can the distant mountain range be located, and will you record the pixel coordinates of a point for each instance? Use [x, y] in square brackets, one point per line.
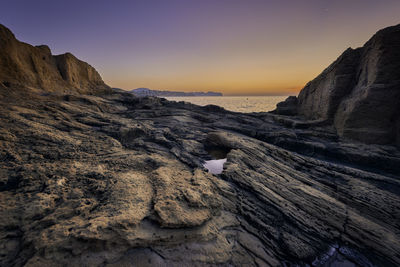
[148, 92]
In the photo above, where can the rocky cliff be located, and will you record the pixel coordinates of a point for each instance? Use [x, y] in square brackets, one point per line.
[117, 180]
[360, 92]
[26, 66]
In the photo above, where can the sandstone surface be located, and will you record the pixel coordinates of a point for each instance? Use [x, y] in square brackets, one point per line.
[27, 66]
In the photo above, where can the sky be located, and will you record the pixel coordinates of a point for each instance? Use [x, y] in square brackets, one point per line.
[237, 47]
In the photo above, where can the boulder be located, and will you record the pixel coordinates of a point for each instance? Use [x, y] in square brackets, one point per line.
[287, 107]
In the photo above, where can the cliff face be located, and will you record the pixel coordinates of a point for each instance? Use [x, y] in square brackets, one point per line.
[369, 112]
[23, 65]
[320, 98]
[359, 93]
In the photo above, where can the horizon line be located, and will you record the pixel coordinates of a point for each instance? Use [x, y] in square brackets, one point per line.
[286, 93]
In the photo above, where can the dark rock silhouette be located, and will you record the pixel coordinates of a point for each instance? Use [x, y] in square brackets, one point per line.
[287, 107]
[320, 98]
[359, 93]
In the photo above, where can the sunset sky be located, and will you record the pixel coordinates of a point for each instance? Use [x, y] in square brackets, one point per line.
[231, 46]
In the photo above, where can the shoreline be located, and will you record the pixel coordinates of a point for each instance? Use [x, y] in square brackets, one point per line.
[125, 150]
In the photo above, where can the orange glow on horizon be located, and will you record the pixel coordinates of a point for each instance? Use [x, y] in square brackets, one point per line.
[232, 47]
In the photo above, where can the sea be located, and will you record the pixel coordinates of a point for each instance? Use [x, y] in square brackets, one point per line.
[235, 103]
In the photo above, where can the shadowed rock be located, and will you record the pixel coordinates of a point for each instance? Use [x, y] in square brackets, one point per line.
[287, 107]
[360, 92]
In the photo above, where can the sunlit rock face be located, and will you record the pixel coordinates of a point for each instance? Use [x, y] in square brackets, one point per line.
[359, 93]
[23, 65]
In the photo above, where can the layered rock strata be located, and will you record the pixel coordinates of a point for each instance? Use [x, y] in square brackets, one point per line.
[359, 93]
[23, 65]
[119, 181]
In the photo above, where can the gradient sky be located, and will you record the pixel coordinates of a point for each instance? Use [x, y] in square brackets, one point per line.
[232, 46]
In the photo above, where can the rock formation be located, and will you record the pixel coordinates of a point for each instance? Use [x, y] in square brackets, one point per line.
[36, 68]
[360, 92]
[117, 180]
[287, 107]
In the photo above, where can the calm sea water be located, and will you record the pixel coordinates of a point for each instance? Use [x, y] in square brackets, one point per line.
[236, 103]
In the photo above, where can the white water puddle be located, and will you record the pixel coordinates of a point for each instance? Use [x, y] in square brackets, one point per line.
[215, 166]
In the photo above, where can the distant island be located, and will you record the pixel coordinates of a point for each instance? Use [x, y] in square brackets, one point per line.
[148, 92]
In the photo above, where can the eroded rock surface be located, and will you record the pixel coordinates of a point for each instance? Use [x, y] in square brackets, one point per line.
[27, 66]
[118, 181]
[359, 93]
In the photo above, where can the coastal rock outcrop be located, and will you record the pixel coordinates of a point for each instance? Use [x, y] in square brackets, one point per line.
[287, 107]
[118, 180]
[27, 66]
[360, 92]
[370, 111]
[320, 98]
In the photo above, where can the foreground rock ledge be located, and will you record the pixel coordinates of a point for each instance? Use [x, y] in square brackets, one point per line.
[118, 181]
